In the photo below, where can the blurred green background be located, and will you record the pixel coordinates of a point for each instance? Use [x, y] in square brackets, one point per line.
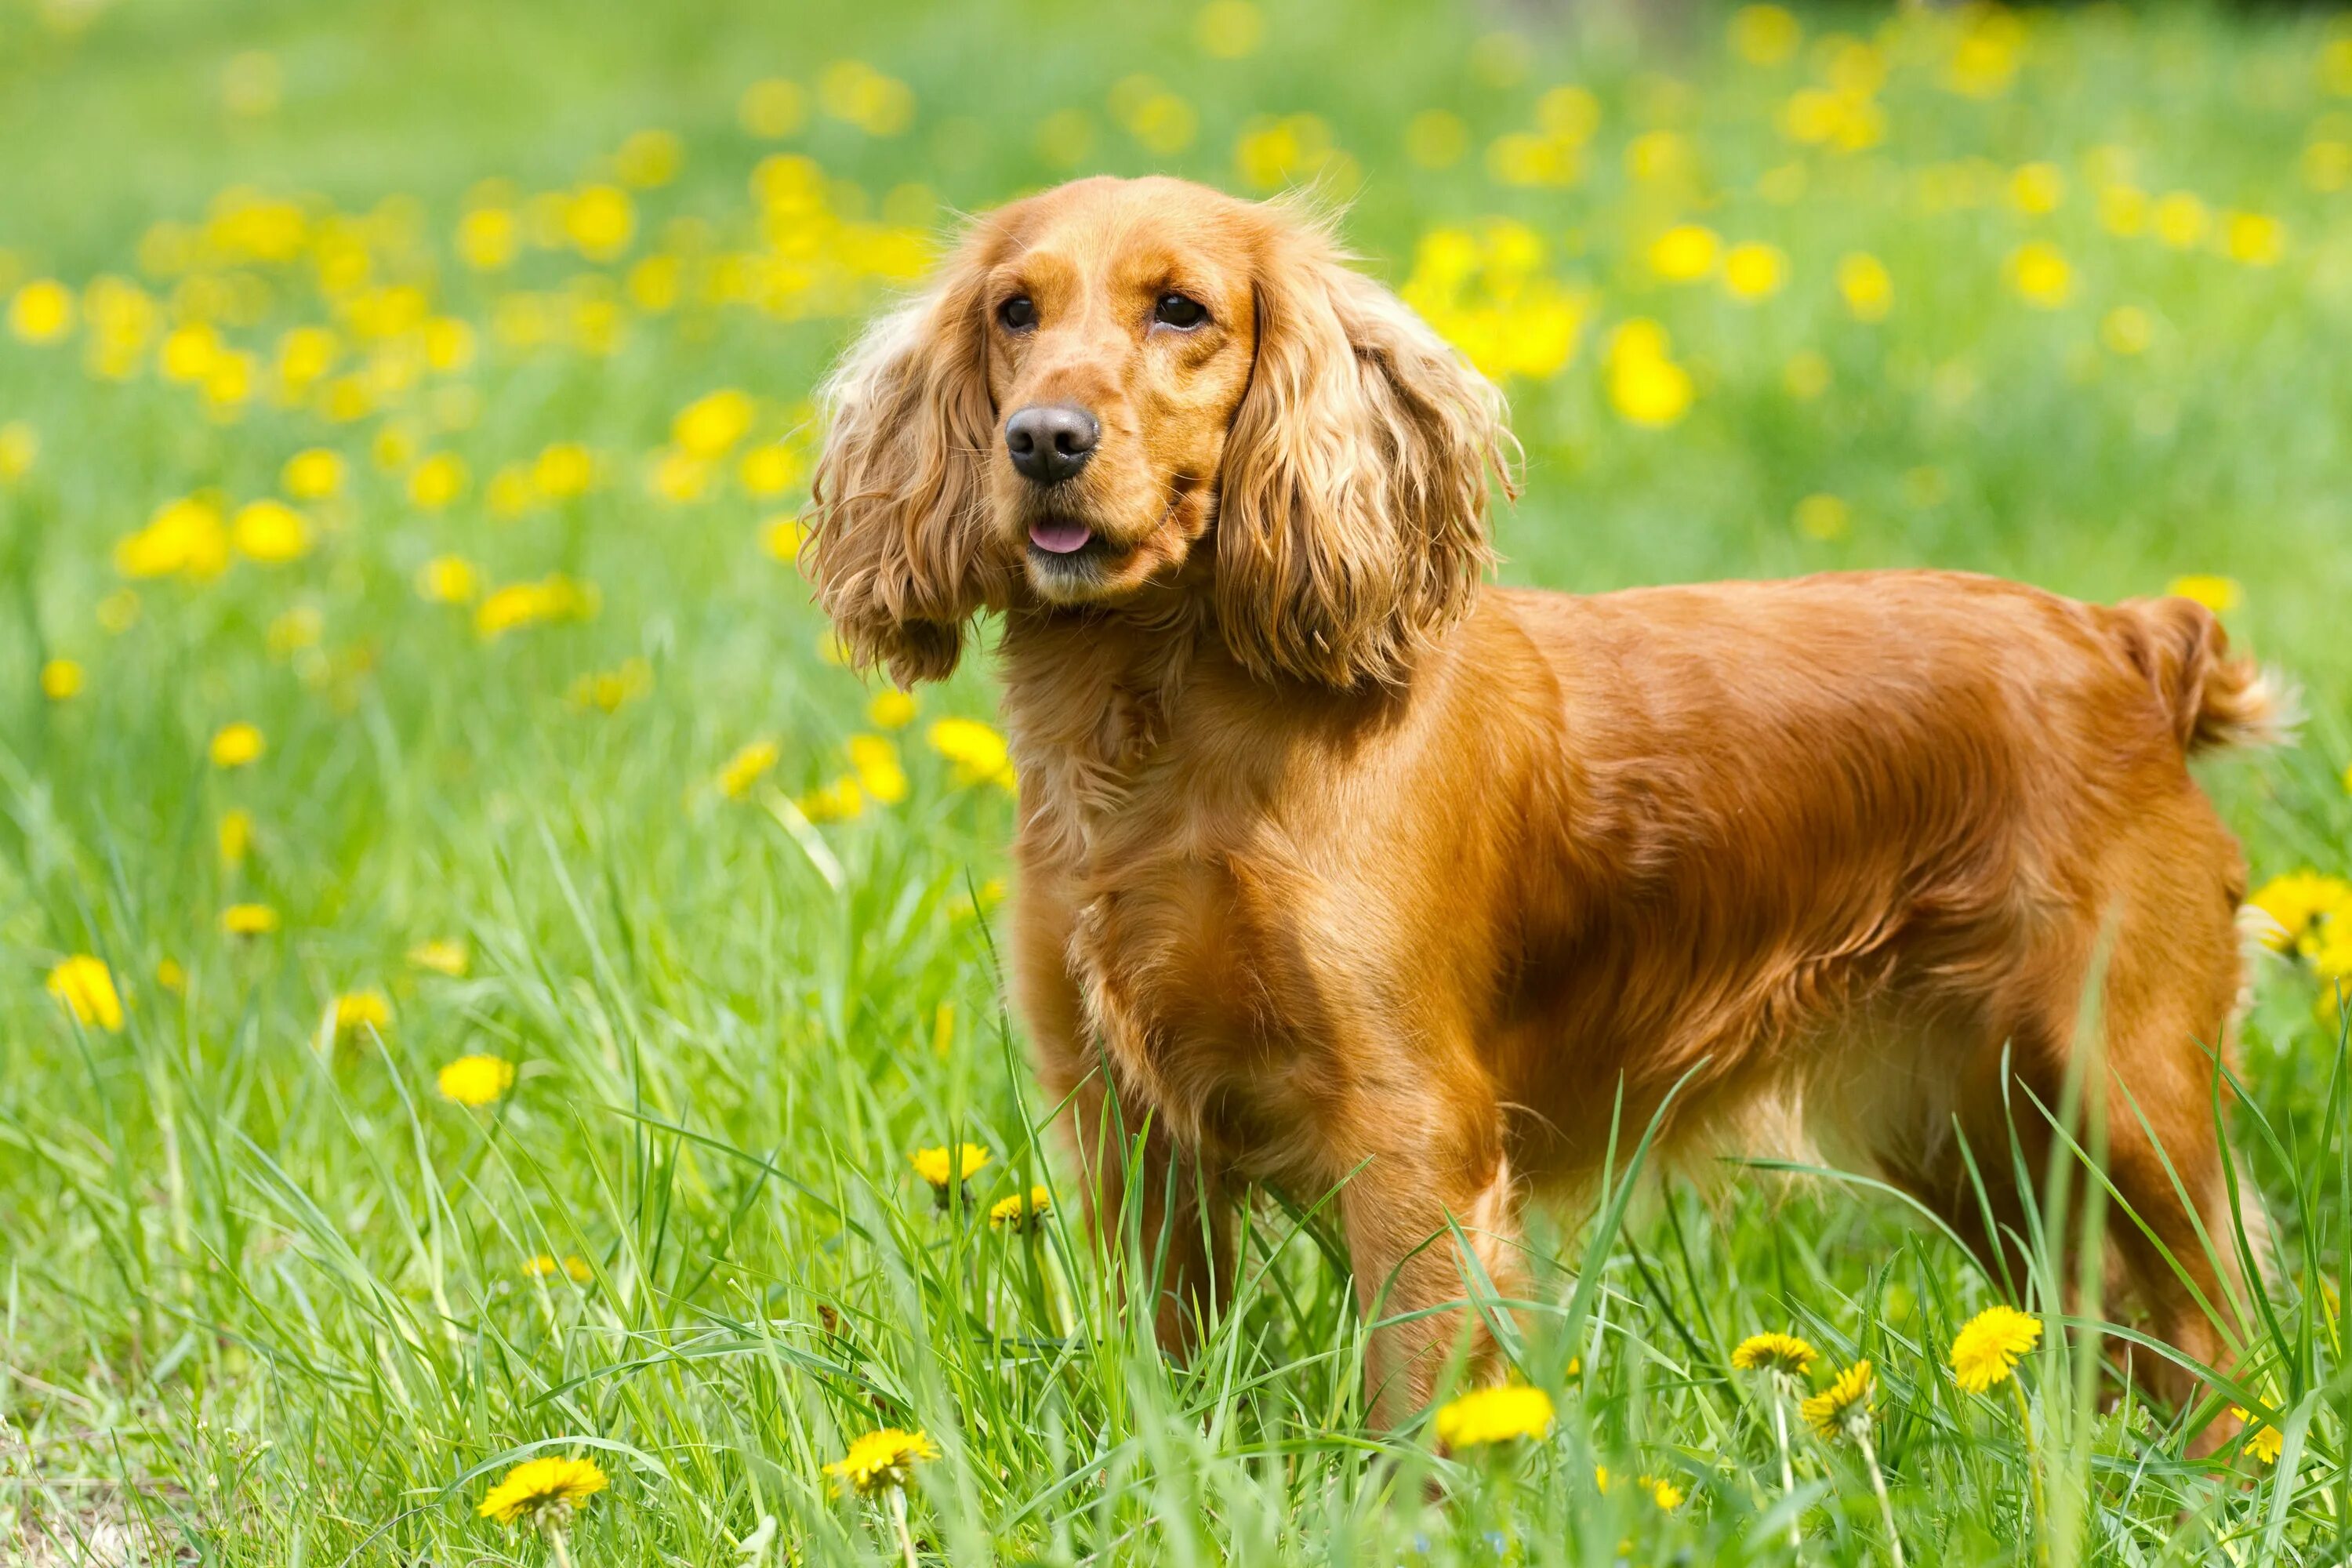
[403, 428]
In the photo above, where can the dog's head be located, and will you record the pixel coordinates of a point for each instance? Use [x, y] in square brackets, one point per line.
[1127, 384]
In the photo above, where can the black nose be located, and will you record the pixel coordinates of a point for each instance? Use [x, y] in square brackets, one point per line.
[1050, 442]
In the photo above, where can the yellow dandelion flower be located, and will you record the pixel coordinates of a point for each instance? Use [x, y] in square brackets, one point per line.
[1273, 153]
[169, 975]
[943, 1167]
[249, 919]
[487, 238]
[711, 425]
[600, 221]
[511, 492]
[769, 469]
[2039, 273]
[2299, 900]
[1022, 1211]
[1754, 271]
[2123, 209]
[2037, 189]
[2253, 239]
[772, 109]
[237, 746]
[543, 1493]
[1989, 1346]
[41, 311]
[608, 691]
[747, 767]
[1684, 253]
[443, 956]
[475, 1080]
[271, 532]
[573, 1268]
[652, 284]
[1646, 384]
[2179, 220]
[979, 752]
[313, 474]
[449, 345]
[1865, 285]
[185, 536]
[2331, 960]
[1783, 1353]
[61, 679]
[2217, 594]
[305, 354]
[564, 471]
[835, 802]
[1765, 35]
[1649, 392]
[1986, 55]
[448, 580]
[986, 897]
[358, 1010]
[439, 480]
[1664, 1493]
[2262, 1440]
[647, 159]
[554, 597]
[1835, 1410]
[234, 835]
[1488, 1416]
[84, 986]
[880, 1462]
[20, 447]
[188, 351]
[1659, 156]
[1823, 517]
[892, 709]
[876, 761]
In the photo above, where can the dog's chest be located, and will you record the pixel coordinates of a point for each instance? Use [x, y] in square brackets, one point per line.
[1188, 978]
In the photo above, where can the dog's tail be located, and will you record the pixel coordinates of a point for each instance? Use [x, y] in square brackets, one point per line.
[2212, 699]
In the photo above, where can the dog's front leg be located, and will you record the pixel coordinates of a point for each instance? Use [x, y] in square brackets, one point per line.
[1409, 1213]
[1162, 1216]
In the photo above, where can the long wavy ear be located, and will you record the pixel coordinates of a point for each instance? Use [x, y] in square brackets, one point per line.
[1351, 514]
[898, 542]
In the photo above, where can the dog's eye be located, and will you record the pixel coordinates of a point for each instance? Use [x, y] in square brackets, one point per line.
[1018, 313]
[1179, 312]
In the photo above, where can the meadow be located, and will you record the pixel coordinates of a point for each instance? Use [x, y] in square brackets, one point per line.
[477, 973]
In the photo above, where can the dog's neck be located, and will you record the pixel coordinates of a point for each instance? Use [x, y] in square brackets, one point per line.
[1098, 702]
[1089, 695]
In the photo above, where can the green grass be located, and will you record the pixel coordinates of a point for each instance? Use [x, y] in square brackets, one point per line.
[263, 1290]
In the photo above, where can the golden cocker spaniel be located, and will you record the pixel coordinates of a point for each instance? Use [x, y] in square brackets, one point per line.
[1345, 871]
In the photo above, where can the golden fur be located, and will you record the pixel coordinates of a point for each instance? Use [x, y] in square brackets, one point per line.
[1348, 872]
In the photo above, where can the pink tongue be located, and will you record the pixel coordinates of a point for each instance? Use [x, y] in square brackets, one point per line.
[1059, 537]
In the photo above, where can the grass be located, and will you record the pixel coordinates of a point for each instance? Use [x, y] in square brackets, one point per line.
[266, 1294]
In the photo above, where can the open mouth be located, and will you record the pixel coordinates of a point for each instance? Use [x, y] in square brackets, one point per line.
[1060, 536]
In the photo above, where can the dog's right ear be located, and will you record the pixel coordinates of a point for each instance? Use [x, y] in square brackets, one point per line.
[897, 543]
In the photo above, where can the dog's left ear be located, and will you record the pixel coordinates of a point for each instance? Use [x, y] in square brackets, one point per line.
[1351, 512]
